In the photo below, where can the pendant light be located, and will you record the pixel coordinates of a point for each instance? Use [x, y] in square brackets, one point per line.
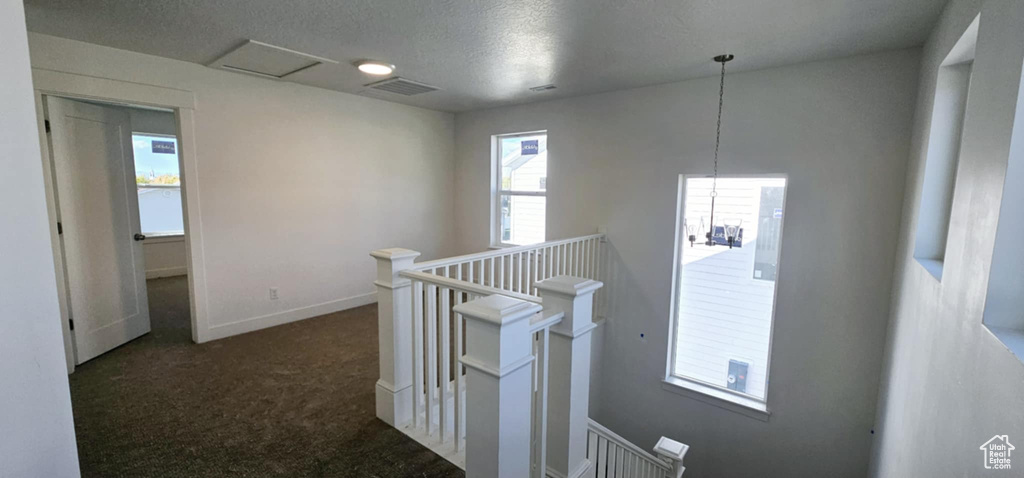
[723, 59]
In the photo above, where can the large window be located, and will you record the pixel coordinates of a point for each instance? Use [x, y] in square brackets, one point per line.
[725, 292]
[521, 170]
[159, 184]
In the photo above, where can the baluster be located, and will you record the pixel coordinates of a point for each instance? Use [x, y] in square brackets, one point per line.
[458, 376]
[431, 354]
[417, 353]
[579, 259]
[572, 259]
[537, 269]
[541, 406]
[445, 362]
[524, 272]
[549, 271]
[501, 272]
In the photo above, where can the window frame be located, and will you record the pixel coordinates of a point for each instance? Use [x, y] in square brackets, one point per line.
[714, 394]
[497, 193]
[177, 154]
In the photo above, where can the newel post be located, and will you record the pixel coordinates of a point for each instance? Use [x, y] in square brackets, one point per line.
[499, 383]
[394, 331]
[569, 368]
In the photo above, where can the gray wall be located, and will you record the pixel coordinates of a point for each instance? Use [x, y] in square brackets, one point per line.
[296, 185]
[841, 130]
[949, 385]
[37, 437]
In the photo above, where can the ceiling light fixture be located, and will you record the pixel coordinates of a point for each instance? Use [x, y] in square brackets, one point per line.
[730, 230]
[373, 67]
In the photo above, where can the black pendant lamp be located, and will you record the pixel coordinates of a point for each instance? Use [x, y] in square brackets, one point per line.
[723, 59]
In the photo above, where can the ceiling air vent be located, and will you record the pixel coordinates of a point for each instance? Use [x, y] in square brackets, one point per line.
[268, 61]
[402, 86]
[543, 88]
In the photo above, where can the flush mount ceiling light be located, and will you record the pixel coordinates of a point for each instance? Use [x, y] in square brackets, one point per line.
[373, 67]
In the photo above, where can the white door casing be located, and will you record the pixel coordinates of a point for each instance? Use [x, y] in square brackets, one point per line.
[97, 204]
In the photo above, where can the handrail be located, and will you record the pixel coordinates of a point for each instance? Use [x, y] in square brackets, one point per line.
[464, 286]
[545, 319]
[622, 442]
[450, 261]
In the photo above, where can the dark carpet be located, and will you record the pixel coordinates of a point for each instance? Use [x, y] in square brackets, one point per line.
[292, 401]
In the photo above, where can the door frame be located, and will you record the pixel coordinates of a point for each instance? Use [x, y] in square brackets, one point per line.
[117, 92]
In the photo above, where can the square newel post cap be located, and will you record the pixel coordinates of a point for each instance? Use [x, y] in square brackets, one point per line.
[394, 253]
[389, 263]
[671, 449]
[568, 286]
[498, 310]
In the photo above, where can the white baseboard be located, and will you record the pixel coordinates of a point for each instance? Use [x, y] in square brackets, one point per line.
[166, 272]
[257, 323]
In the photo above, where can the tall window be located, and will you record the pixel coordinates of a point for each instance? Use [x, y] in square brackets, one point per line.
[521, 170]
[725, 295]
[159, 184]
[948, 112]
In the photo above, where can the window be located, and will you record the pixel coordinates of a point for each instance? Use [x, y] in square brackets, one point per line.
[1004, 300]
[724, 297]
[948, 111]
[159, 184]
[521, 170]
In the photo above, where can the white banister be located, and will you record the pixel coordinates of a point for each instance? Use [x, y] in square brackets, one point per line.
[394, 327]
[498, 386]
[426, 389]
[612, 456]
[569, 391]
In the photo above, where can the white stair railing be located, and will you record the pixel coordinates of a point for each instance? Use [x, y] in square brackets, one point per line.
[461, 365]
[519, 269]
[615, 457]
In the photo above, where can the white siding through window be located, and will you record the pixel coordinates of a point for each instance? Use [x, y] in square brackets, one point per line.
[724, 312]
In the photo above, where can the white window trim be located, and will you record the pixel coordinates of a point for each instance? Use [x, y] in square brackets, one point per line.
[722, 397]
[497, 192]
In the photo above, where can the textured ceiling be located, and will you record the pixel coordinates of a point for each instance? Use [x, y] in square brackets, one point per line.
[486, 53]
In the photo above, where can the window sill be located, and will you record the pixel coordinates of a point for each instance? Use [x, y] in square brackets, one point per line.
[159, 238]
[713, 396]
[933, 266]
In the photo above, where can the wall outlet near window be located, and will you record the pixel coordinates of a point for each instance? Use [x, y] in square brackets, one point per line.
[273, 293]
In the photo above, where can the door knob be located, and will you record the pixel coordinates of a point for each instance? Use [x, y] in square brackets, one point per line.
[140, 237]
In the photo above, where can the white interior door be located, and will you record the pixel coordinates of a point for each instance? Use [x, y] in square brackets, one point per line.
[98, 207]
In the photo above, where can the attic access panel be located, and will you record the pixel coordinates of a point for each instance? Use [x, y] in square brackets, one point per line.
[268, 61]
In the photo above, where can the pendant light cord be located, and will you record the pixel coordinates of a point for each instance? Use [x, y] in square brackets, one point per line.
[723, 59]
[718, 132]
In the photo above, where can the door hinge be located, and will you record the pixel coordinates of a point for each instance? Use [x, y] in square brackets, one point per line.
[72, 323]
[47, 124]
[60, 228]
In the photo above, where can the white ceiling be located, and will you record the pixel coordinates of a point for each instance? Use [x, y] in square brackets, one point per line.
[486, 53]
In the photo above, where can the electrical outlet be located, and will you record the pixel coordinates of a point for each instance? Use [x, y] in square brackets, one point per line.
[273, 293]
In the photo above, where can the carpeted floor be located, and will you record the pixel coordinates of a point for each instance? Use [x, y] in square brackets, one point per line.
[290, 401]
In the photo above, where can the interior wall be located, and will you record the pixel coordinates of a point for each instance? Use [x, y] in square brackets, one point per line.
[840, 130]
[296, 184]
[38, 436]
[949, 385]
